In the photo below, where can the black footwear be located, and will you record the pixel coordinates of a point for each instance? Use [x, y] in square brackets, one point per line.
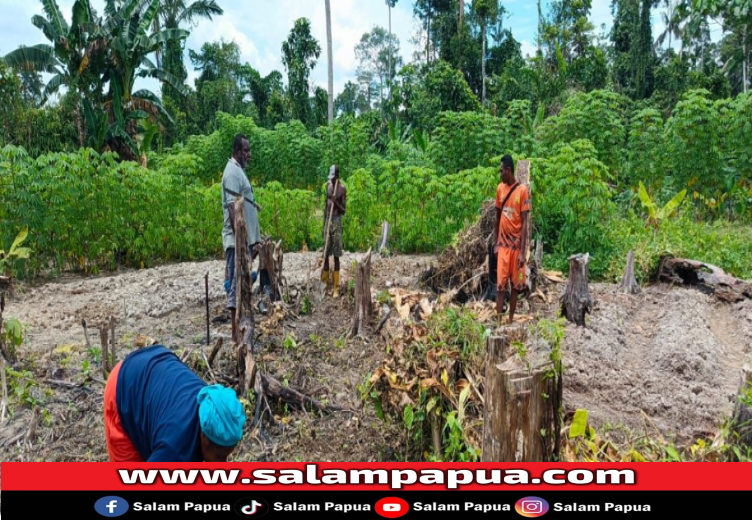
[490, 294]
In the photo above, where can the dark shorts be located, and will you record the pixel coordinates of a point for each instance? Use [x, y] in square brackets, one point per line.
[334, 247]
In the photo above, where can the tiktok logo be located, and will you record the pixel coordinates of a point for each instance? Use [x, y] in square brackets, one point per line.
[254, 507]
[111, 506]
[251, 510]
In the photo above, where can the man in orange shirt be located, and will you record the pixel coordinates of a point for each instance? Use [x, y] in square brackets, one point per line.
[510, 230]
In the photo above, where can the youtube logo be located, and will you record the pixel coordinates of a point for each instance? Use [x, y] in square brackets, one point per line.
[391, 507]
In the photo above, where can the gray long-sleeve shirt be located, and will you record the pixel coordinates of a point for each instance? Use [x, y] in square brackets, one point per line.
[234, 179]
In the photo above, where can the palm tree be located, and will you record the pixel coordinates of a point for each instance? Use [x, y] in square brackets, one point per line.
[671, 23]
[72, 49]
[174, 14]
[130, 47]
[330, 60]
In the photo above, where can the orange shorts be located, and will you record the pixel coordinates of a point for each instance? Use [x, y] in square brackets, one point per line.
[119, 446]
[507, 270]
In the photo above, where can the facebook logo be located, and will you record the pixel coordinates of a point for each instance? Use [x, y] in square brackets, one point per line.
[111, 506]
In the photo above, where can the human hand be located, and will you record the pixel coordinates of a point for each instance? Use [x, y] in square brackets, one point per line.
[520, 262]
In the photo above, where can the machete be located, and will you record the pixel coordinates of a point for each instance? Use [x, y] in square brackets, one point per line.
[249, 201]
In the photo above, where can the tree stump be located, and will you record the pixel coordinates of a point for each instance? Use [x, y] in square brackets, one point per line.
[523, 176]
[383, 246]
[363, 302]
[520, 400]
[245, 324]
[270, 268]
[742, 418]
[576, 300]
[629, 282]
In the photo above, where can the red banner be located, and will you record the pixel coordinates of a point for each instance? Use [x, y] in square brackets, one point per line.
[330, 476]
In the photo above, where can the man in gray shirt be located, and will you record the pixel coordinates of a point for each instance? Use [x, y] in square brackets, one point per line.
[234, 180]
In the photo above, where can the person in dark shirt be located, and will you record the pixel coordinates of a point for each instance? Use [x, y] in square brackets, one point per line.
[156, 409]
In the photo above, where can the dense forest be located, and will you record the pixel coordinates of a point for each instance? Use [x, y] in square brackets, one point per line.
[636, 143]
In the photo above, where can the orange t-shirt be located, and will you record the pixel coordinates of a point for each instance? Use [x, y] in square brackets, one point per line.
[510, 226]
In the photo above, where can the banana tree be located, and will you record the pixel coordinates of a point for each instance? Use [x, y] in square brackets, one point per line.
[132, 41]
[72, 50]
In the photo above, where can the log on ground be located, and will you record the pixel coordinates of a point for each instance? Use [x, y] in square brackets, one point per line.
[705, 277]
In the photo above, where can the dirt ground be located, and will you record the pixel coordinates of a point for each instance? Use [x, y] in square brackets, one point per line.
[672, 353]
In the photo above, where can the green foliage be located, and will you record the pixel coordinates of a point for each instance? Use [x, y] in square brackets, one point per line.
[646, 147]
[421, 96]
[655, 214]
[465, 140]
[719, 243]
[279, 205]
[12, 335]
[575, 206]
[87, 212]
[16, 252]
[597, 116]
[694, 147]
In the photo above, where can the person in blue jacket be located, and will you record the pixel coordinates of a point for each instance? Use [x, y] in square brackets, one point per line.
[156, 409]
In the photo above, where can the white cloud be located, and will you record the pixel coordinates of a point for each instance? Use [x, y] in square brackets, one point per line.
[528, 49]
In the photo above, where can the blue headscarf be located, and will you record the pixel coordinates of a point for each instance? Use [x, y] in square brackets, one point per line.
[221, 415]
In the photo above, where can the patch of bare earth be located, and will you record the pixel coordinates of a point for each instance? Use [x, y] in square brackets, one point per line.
[671, 353]
[669, 358]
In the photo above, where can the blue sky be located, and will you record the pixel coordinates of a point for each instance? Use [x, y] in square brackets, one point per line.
[260, 26]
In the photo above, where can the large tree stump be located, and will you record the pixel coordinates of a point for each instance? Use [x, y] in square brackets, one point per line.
[270, 268]
[576, 300]
[629, 282]
[705, 277]
[383, 246]
[363, 302]
[742, 418]
[531, 267]
[245, 324]
[521, 400]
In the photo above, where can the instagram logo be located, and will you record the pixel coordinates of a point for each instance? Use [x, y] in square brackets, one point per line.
[531, 507]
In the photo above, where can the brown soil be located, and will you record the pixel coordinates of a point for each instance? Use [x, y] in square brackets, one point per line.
[672, 353]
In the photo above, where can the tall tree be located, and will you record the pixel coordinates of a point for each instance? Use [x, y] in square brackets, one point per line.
[330, 60]
[569, 28]
[351, 101]
[299, 54]
[176, 14]
[218, 87]
[634, 55]
[736, 16]
[487, 11]
[378, 54]
[671, 23]
[390, 4]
